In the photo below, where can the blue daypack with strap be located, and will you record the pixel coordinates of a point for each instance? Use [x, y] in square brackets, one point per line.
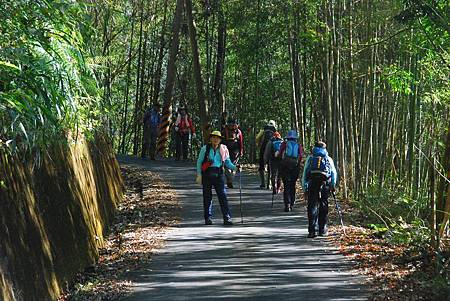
[320, 169]
[291, 150]
[276, 145]
[291, 155]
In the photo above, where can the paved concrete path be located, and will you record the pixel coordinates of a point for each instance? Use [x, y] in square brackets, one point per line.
[268, 257]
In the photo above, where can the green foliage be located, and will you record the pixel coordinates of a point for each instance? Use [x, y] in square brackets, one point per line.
[395, 215]
[392, 200]
[415, 234]
[46, 87]
[399, 80]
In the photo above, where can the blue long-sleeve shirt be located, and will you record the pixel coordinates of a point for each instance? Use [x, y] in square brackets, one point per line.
[215, 157]
[318, 151]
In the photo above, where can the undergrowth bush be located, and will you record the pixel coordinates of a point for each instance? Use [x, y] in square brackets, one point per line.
[394, 214]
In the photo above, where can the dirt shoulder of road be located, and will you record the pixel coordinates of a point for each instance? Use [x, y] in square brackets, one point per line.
[148, 209]
[393, 271]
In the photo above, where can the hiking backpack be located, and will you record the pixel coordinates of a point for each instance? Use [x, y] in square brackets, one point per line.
[319, 168]
[154, 119]
[291, 154]
[276, 145]
[268, 134]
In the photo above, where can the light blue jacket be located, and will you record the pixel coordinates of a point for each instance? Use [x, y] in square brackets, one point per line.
[318, 151]
[215, 157]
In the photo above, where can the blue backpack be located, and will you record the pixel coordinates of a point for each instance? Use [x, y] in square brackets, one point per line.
[276, 145]
[290, 155]
[291, 150]
[320, 169]
[154, 119]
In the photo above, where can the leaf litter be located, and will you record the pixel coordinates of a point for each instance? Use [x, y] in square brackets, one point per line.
[393, 271]
[148, 209]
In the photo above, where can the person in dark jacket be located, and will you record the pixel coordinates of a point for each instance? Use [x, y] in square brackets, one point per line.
[152, 120]
[234, 141]
[262, 139]
[319, 177]
[212, 158]
[273, 159]
[291, 156]
[223, 121]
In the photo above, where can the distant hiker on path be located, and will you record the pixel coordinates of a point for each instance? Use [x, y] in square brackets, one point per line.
[234, 141]
[210, 163]
[319, 177]
[291, 157]
[152, 119]
[262, 139]
[183, 128]
[223, 121]
[273, 158]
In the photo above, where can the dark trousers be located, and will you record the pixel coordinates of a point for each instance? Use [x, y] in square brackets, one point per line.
[318, 208]
[289, 191]
[149, 143]
[275, 174]
[262, 166]
[182, 145]
[217, 181]
[289, 175]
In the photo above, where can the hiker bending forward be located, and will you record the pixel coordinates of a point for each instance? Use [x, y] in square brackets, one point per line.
[291, 157]
[210, 164]
[319, 177]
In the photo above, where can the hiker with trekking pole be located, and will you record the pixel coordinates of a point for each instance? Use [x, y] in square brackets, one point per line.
[211, 161]
[319, 179]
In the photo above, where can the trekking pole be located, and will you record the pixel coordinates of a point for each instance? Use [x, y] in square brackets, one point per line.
[240, 196]
[338, 208]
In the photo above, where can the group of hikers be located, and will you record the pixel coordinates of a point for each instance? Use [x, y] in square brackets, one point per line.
[219, 159]
[182, 129]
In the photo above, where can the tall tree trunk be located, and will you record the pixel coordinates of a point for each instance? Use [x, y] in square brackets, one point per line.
[354, 133]
[170, 80]
[202, 101]
[295, 70]
[136, 121]
[158, 73]
[220, 64]
[444, 201]
[127, 83]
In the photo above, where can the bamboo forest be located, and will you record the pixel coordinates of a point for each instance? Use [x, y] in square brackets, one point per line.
[105, 110]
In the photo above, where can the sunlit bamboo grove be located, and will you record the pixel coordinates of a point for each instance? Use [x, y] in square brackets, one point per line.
[371, 78]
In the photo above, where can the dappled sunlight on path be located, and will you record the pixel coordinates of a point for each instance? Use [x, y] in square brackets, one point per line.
[266, 258]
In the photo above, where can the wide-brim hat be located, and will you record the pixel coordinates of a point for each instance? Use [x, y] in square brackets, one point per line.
[216, 134]
[292, 134]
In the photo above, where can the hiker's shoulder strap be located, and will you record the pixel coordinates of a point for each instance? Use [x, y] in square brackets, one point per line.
[207, 150]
